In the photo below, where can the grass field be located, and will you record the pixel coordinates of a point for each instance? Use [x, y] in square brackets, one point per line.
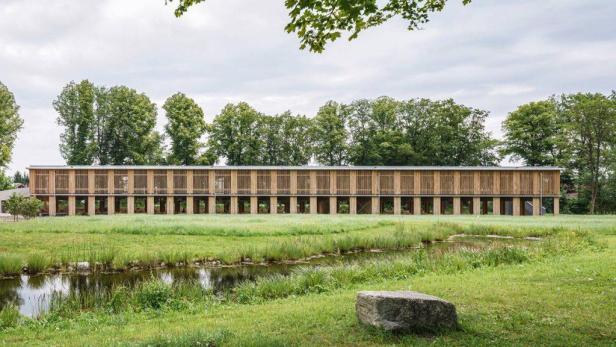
[560, 292]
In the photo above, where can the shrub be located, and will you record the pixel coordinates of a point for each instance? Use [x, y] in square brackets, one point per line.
[153, 294]
[9, 316]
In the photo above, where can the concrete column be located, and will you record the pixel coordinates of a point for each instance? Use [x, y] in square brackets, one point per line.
[397, 203]
[211, 204]
[536, 206]
[150, 205]
[556, 206]
[293, 204]
[234, 202]
[71, 204]
[496, 203]
[91, 206]
[476, 205]
[353, 205]
[130, 204]
[170, 204]
[333, 205]
[376, 206]
[436, 205]
[190, 203]
[273, 204]
[52, 205]
[313, 204]
[111, 204]
[516, 206]
[254, 207]
[456, 206]
[417, 204]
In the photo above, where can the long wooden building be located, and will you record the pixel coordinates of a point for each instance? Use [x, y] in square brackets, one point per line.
[92, 190]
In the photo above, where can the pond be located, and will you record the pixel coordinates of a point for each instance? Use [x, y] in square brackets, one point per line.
[32, 294]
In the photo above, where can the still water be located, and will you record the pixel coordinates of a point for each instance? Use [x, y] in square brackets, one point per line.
[32, 294]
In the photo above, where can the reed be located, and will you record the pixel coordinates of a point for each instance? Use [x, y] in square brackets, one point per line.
[10, 265]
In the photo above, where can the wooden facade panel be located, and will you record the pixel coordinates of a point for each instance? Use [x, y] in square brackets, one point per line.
[407, 182]
[61, 181]
[140, 182]
[386, 182]
[323, 182]
[486, 179]
[303, 182]
[467, 182]
[201, 182]
[101, 181]
[180, 185]
[506, 182]
[283, 182]
[120, 181]
[264, 182]
[222, 182]
[343, 183]
[160, 182]
[81, 182]
[364, 182]
[446, 182]
[243, 182]
[526, 182]
[427, 182]
[41, 185]
[548, 186]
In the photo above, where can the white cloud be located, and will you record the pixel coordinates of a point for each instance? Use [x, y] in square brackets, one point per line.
[492, 55]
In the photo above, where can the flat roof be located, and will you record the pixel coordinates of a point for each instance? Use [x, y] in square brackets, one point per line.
[304, 167]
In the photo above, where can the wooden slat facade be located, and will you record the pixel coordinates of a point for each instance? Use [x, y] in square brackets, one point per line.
[463, 185]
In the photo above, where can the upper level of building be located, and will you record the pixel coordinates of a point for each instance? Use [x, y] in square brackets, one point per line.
[295, 180]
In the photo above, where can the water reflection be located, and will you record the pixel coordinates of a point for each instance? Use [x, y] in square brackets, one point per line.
[32, 294]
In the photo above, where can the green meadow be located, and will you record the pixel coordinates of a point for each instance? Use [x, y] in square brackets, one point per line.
[560, 290]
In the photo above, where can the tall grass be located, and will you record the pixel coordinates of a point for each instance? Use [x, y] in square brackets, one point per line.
[37, 263]
[9, 316]
[10, 265]
[190, 339]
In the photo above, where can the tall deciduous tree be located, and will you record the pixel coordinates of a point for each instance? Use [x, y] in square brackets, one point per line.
[446, 133]
[533, 133]
[330, 135]
[591, 130]
[317, 23]
[185, 127]
[285, 140]
[76, 114]
[235, 135]
[10, 124]
[128, 131]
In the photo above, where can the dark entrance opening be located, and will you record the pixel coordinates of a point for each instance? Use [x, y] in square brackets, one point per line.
[283, 205]
[427, 205]
[179, 204]
[506, 206]
[223, 204]
[100, 205]
[81, 205]
[121, 204]
[141, 204]
[200, 204]
[322, 205]
[160, 204]
[263, 204]
[61, 205]
[406, 205]
[386, 205]
[45, 209]
[526, 206]
[343, 205]
[303, 204]
[487, 206]
[243, 204]
[364, 205]
[446, 205]
[466, 205]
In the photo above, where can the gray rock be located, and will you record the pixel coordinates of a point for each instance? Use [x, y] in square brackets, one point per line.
[83, 266]
[405, 311]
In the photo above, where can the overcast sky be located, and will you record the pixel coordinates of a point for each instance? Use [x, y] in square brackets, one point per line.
[492, 54]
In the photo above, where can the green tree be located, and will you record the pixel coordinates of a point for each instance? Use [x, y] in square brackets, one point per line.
[533, 133]
[10, 124]
[285, 140]
[22, 178]
[446, 133]
[5, 181]
[128, 135]
[235, 135]
[330, 135]
[19, 205]
[318, 22]
[591, 133]
[76, 113]
[185, 127]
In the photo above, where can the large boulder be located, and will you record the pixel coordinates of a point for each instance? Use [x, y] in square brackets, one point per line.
[405, 311]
